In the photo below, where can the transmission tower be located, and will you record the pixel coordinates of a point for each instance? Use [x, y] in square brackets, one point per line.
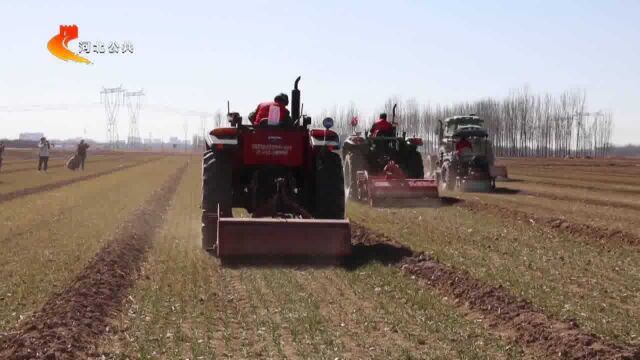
[133, 100]
[112, 98]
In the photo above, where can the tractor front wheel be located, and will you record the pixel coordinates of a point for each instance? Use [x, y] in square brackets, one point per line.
[353, 162]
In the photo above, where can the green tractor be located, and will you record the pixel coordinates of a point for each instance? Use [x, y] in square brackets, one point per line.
[367, 159]
[465, 159]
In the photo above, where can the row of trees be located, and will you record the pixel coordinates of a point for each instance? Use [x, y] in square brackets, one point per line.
[521, 124]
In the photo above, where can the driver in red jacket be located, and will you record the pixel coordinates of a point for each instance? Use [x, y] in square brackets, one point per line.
[275, 112]
[393, 171]
[382, 127]
[462, 144]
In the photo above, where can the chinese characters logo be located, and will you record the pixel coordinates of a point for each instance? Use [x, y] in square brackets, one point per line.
[58, 46]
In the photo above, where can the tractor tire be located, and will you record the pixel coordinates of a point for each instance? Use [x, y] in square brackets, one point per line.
[216, 182]
[432, 165]
[216, 193]
[447, 178]
[329, 187]
[415, 166]
[353, 162]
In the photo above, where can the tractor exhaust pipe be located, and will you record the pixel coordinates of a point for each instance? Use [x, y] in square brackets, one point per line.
[295, 101]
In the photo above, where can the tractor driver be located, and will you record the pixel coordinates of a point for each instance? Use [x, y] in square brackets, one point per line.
[393, 171]
[382, 127]
[463, 145]
[275, 112]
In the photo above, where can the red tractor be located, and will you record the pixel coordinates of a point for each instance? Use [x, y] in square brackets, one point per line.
[287, 177]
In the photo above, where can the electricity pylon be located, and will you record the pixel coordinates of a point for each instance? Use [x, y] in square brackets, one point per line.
[133, 100]
[112, 98]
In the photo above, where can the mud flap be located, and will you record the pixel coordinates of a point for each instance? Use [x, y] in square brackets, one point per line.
[283, 237]
[209, 230]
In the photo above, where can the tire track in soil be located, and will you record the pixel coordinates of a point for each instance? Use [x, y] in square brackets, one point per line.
[238, 337]
[58, 184]
[603, 235]
[364, 338]
[281, 332]
[506, 314]
[70, 323]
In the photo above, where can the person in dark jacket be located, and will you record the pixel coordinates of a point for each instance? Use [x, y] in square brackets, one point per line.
[382, 127]
[82, 152]
[275, 112]
[43, 154]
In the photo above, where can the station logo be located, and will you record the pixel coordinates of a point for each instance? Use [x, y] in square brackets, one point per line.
[59, 46]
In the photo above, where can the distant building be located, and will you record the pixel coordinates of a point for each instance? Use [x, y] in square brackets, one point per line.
[35, 136]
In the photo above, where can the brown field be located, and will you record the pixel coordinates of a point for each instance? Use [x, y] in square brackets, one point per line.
[107, 264]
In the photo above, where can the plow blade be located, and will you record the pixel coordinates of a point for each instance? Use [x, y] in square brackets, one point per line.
[381, 188]
[271, 237]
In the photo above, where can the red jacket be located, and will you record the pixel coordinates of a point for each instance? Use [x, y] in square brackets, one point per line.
[463, 143]
[277, 111]
[381, 126]
[393, 171]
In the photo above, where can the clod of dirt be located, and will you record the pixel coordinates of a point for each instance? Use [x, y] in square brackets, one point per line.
[70, 322]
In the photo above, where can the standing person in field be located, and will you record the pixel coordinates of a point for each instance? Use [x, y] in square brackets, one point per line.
[82, 152]
[1, 151]
[43, 154]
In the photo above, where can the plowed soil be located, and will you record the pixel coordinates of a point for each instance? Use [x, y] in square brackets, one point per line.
[507, 314]
[538, 269]
[597, 233]
[72, 320]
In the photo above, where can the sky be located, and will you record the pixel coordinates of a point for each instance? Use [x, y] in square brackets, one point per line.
[191, 55]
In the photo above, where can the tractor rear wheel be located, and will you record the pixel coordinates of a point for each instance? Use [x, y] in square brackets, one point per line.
[415, 167]
[353, 162]
[329, 190]
[216, 194]
[447, 177]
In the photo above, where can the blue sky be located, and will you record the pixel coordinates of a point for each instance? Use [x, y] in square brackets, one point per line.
[196, 55]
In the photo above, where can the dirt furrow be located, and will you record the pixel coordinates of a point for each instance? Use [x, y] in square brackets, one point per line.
[59, 184]
[505, 314]
[594, 186]
[69, 324]
[585, 200]
[54, 166]
[603, 235]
